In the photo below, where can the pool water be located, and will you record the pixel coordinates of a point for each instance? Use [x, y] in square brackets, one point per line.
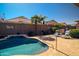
[20, 45]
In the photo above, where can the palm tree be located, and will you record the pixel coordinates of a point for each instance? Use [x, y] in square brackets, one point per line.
[34, 19]
[42, 19]
[37, 19]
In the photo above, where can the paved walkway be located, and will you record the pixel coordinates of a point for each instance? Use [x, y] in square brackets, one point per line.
[65, 47]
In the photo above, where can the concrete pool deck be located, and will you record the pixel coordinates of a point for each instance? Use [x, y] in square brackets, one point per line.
[66, 47]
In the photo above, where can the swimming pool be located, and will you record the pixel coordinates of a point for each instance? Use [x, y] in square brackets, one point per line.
[20, 45]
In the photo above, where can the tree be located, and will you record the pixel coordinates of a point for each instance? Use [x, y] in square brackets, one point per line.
[42, 19]
[34, 19]
[37, 19]
[60, 25]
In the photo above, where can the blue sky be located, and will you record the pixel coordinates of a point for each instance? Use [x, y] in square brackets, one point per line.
[57, 11]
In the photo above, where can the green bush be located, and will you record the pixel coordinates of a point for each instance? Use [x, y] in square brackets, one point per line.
[30, 33]
[52, 30]
[74, 33]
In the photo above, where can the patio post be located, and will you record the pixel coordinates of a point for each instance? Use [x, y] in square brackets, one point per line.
[56, 43]
[56, 34]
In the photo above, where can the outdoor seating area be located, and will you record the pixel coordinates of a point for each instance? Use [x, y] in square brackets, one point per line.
[40, 30]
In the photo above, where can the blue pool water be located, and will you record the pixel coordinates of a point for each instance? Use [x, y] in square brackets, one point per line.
[19, 45]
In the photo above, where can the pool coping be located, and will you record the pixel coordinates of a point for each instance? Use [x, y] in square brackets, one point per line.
[13, 35]
[5, 38]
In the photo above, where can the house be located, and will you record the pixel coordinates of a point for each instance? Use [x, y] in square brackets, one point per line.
[77, 24]
[21, 25]
[51, 23]
[20, 19]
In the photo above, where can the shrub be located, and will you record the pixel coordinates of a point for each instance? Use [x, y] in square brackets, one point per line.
[30, 33]
[51, 30]
[54, 28]
[44, 32]
[74, 33]
[59, 26]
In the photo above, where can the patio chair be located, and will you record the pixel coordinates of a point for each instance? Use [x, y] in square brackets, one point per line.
[67, 36]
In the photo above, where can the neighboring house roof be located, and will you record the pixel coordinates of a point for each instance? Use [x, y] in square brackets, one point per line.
[20, 19]
[52, 22]
[1, 20]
